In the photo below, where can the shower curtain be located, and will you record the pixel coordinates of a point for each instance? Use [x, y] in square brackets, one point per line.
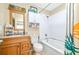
[70, 45]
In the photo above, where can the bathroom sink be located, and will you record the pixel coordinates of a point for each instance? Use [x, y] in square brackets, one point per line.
[1, 41]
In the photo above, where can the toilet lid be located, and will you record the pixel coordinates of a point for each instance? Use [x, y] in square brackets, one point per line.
[38, 47]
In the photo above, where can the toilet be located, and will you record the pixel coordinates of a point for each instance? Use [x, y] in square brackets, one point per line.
[38, 47]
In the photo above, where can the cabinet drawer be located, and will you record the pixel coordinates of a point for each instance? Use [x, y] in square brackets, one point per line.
[25, 52]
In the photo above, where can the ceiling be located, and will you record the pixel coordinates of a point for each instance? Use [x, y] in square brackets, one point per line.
[46, 6]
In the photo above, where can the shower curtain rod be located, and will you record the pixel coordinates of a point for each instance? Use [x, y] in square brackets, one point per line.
[45, 7]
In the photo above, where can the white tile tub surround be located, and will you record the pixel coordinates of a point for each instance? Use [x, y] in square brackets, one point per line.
[57, 25]
[53, 26]
[56, 28]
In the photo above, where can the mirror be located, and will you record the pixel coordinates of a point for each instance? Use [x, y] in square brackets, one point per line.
[17, 18]
[17, 21]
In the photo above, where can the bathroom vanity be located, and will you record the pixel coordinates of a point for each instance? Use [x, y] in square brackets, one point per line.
[14, 40]
[16, 45]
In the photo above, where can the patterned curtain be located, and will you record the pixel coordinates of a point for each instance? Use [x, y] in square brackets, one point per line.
[70, 48]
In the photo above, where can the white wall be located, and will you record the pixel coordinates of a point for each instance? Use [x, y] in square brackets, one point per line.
[57, 25]
[4, 16]
[42, 20]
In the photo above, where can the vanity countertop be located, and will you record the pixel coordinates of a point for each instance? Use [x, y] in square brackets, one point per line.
[1, 40]
[12, 36]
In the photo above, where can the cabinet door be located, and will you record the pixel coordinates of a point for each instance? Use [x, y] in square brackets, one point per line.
[12, 49]
[25, 47]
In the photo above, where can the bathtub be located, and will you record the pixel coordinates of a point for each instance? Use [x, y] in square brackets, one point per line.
[57, 46]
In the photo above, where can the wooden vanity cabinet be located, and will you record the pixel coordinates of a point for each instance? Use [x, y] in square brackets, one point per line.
[20, 45]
